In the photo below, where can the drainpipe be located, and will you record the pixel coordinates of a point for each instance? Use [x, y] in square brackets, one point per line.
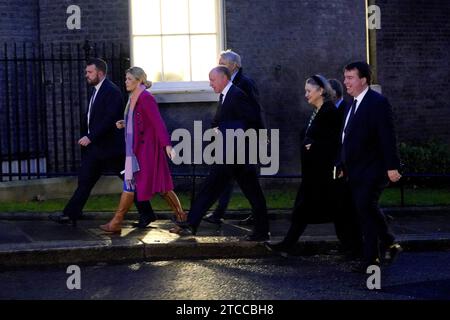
[371, 42]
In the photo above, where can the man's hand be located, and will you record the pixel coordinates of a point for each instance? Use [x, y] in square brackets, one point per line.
[120, 124]
[394, 175]
[84, 141]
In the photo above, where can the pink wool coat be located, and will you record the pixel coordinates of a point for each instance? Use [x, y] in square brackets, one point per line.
[150, 138]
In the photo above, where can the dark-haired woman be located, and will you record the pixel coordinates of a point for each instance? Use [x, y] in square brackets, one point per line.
[314, 202]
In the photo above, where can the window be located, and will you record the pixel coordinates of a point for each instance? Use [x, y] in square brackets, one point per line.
[176, 42]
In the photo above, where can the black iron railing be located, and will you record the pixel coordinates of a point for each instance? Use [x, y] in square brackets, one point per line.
[43, 97]
[407, 179]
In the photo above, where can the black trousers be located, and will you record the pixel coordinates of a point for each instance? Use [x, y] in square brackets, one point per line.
[223, 202]
[374, 227]
[92, 168]
[344, 216]
[346, 222]
[218, 180]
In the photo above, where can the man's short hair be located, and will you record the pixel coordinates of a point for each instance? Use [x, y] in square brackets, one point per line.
[100, 64]
[337, 87]
[224, 70]
[363, 70]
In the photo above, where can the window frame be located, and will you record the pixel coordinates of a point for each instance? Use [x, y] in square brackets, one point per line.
[184, 91]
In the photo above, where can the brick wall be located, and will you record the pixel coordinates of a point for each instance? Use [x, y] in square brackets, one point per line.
[19, 21]
[282, 43]
[101, 21]
[286, 41]
[414, 66]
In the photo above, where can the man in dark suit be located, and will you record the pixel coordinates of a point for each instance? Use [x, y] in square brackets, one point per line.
[232, 61]
[102, 144]
[345, 219]
[339, 101]
[369, 160]
[235, 111]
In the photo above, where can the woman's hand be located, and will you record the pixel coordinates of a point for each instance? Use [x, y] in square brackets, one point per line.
[307, 146]
[120, 124]
[170, 152]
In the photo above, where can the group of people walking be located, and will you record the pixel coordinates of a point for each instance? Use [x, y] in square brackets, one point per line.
[348, 156]
[133, 143]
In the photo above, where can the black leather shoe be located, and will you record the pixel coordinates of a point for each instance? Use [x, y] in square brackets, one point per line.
[192, 230]
[361, 267]
[61, 218]
[249, 221]
[182, 227]
[212, 219]
[258, 237]
[278, 248]
[392, 253]
[144, 221]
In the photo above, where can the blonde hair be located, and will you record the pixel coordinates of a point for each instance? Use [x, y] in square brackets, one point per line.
[140, 75]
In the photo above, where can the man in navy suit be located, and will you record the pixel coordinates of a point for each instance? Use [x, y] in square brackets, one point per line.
[232, 61]
[235, 111]
[345, 220]
[339, 101]
[102, 144]
[369, 160]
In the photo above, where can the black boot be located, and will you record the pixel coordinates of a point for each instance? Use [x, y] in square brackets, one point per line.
[280, 248]
[146, 214]
[144, 221]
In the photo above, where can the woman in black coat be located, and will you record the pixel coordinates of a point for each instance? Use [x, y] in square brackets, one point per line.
[315, 199]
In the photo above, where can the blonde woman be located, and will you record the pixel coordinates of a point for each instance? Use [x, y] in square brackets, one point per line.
[147, 146]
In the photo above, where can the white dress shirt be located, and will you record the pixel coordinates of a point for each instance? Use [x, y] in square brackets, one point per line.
[97, 87]
[225, 90]
[358, 102]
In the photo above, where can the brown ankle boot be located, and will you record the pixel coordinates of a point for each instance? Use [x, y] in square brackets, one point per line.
[115, 225]
[175, 205]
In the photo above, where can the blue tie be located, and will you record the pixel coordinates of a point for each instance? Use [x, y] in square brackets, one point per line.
[90, 106]
[92, 98]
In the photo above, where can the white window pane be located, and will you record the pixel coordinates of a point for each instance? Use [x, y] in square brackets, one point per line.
[176, 58]
[147, 55]
[174, 16]
[203, 16]
[145, 17]
[204, 56]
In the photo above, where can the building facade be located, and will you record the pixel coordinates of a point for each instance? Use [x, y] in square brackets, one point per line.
[281, 43]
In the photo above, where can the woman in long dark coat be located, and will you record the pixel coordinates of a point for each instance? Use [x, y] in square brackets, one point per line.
[315, 199]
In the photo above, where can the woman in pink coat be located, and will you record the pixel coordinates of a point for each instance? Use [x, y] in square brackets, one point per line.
[147, 146]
